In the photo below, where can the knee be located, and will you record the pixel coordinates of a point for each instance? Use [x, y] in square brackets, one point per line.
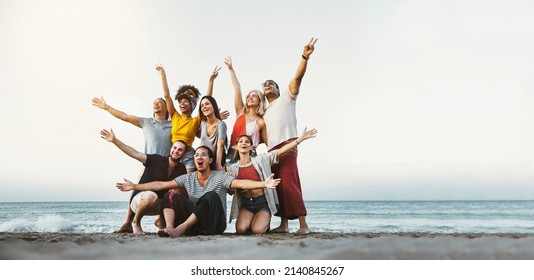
[241, 229]
[259, 229]
[149, 197]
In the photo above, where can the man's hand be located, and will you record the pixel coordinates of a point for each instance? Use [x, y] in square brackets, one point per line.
[100, 102]
[107, 135]
[309, 48]
[126, 186]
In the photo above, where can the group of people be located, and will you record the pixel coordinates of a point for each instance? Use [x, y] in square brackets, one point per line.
[187, 187]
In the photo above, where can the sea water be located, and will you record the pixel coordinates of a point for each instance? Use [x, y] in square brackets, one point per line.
[323, 216]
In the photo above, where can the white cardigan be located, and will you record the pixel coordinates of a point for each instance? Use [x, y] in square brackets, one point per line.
[262, 163]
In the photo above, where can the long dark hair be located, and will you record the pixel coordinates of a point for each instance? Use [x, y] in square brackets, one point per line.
[213, 104]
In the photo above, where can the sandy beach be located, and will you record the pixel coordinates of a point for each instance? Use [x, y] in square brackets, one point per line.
[316, 246]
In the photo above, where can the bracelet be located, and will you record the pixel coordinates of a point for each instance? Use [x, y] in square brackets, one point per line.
[305, 57]
[107, 108]
[297, 141]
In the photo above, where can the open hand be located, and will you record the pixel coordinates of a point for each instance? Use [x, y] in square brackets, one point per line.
[271, 183]
[107, 135]
[126, 186]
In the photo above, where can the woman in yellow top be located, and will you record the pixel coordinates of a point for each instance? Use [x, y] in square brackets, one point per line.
[184, 126]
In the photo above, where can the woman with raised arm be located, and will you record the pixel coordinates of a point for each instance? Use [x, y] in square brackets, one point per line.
[256, 206]
[184, 126]
[249, 115]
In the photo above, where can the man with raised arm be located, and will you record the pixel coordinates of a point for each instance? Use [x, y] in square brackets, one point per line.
[204, 210]
[157, 168]
[281, 121]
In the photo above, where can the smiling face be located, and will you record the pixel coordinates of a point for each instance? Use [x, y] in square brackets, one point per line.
[206, 107]
[178, 150]
[253, 99]
[203, 158]
[185, 105]
[270, 89]
[159, 106]
[243, 146]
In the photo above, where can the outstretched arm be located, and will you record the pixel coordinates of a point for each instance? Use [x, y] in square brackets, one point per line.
[166, 92]
[306, 134]
[110, 137]
[151, 186]
[101, 103]
[213, 76]
[270, 183]
[294, 85]
[238, 96]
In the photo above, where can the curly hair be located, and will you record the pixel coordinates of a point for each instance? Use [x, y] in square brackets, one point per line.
[188, 88]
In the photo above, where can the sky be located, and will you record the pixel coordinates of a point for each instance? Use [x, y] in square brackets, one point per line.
[422, 100]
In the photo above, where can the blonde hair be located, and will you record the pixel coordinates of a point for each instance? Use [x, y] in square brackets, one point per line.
[260, 111]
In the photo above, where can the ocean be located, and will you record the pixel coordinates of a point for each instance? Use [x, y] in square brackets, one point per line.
[323, 216]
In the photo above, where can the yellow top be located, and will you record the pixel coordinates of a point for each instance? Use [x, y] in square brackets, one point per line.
[184, 128]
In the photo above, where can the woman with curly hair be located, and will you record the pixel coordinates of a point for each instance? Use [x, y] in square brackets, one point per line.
[184, 126]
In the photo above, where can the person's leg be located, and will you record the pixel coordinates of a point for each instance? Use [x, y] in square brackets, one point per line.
[144, 206]
[291, 192]
[243, 222]
[261, 222]
[127, 226]
[188, 160]
[176, 210]
[182, 228]
[303, 230]
[211, 215]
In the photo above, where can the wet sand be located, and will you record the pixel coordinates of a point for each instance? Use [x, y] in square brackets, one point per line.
[316, 246]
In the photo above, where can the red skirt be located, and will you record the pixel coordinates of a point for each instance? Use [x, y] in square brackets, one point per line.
[289, 191]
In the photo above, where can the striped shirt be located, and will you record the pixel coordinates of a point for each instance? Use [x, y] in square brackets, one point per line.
[218, 182]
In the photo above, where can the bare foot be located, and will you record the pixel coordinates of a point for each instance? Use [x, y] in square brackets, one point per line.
[159, 222]
[303, 231]
[279, 230]
[163, 233]
[176, 232]
[137, 230]
[126, 228]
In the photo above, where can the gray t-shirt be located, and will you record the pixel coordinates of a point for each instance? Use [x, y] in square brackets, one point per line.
[211, 141]
[218, 182]
[157, 136]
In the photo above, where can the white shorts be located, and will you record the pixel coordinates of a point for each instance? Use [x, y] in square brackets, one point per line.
[154, 210]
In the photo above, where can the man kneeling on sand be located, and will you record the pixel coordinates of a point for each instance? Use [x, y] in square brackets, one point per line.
[202, 213]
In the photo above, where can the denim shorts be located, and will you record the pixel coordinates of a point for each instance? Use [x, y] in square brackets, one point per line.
[255, 204]
[188, 158]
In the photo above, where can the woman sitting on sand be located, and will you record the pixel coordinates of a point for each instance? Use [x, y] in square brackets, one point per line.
[249, 115]
[256, 206]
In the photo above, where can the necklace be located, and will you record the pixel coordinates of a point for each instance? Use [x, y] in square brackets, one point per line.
[246, 164]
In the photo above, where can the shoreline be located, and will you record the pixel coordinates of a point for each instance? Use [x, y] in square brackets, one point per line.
[229, 246]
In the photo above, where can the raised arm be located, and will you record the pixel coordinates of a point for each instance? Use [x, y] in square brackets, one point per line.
[101, 103]
[306, 134]
[213, 76]
[238, 95]
[166, 92]
[269, 183]
[151, 186]
[110, 137]
[294, 85]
